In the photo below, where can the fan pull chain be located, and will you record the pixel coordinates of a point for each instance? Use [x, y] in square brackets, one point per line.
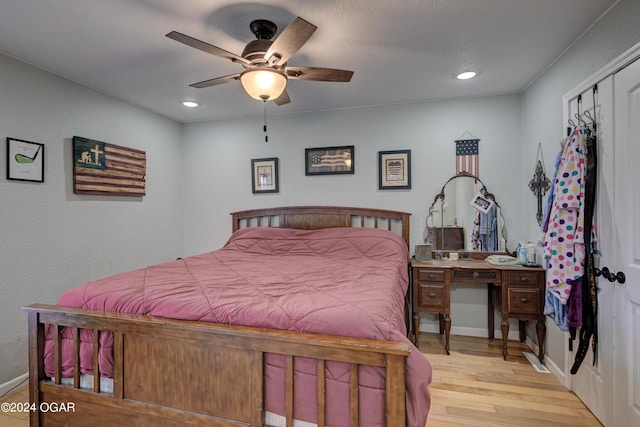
[266, 137]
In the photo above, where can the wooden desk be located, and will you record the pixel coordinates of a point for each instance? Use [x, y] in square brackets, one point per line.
[518, 290]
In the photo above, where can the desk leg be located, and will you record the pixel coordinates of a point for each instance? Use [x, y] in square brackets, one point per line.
[541, 330]
[504, 326]
[416, 329]
[522, 325]
[490, 311]
[447, 330]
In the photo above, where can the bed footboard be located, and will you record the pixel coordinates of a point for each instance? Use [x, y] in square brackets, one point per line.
[175, 373]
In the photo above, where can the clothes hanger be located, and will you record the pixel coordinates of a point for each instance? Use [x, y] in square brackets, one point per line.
[581, 120]
[590, 117]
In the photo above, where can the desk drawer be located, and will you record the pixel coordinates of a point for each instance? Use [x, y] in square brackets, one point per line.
[524, 301]
[523, 278]
[431, 275]
[433, 295]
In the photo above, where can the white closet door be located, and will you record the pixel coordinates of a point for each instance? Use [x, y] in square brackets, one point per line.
[627, 238]
[594, 384]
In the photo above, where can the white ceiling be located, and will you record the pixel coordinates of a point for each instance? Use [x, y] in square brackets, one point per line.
[401, 51]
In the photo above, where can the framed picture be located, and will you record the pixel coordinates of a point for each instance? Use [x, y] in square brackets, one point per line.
[423, 252]
[25, 160]
[329, 160]
[394, 170]
[264, 175]
[482, 203]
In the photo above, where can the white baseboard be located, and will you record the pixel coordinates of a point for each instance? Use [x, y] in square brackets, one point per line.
[14, 383]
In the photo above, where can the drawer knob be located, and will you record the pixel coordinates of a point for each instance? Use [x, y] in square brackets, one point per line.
[523, 278]
[525, 300]
[432, 296]
[432, 276]
[476, 275]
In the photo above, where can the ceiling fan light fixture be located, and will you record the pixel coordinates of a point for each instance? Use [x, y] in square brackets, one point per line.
[466, 75]
[263, 83]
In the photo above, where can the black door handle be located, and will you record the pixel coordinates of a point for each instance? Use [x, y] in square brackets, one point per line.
[612, 277]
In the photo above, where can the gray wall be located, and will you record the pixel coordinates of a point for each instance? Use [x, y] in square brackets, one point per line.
[611, 36]
[217, 170]
[52, 239]
[217, 161]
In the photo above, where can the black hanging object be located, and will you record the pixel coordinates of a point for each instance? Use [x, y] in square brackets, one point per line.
[589, 329]
[540, 184]
[266, 137]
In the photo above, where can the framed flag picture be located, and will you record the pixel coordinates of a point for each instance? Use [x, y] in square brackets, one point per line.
[394, 170]
[329, 160]
[100, 168]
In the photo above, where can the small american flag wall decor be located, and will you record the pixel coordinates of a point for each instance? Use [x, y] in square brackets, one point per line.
[467, 158]
[329, 160]
[107, 169]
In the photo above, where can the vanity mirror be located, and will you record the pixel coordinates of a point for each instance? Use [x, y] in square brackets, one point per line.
[465, 216]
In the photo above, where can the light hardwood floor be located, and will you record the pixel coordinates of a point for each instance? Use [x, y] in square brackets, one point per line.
[473, 387]
[12, 419]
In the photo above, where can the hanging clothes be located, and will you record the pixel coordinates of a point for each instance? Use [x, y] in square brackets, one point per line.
[484, 231]
[564, 242]
[552, 305]
[476, 245]
[488, 229]
[570, 235]
[589, 295]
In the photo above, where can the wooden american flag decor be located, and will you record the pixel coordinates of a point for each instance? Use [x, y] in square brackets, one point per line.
[101, 168]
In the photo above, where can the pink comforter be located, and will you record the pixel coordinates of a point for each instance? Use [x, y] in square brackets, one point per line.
[339, 281]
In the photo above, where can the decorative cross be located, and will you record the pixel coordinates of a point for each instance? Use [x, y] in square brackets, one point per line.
[539, 185]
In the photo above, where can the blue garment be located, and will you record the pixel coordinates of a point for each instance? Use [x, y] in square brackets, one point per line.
[547, 206]
[489, 229]
[554, 308]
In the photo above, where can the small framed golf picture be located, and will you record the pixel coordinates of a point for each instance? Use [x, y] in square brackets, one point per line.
[25, 160]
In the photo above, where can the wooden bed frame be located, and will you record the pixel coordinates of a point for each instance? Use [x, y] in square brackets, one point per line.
[174, 373]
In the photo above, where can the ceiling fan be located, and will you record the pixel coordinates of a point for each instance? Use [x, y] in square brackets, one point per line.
[264, 60]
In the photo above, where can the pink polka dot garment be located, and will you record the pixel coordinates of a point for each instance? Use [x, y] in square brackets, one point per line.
[564, 242]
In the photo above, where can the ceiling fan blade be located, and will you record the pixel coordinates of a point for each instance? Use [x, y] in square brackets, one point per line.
[283, 98]
[319, 74]
[205, 47]
[216, 81]
[290, 41]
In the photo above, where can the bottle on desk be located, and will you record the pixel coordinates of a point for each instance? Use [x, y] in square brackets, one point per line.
[531, 253]
[521, 253]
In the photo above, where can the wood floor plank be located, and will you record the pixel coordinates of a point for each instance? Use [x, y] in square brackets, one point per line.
[475, 387]
[513, 401]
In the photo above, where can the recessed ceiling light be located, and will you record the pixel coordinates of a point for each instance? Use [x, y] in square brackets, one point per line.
[466, 75]
[190, 104]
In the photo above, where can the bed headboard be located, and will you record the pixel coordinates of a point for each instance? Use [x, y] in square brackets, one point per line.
[315, 217]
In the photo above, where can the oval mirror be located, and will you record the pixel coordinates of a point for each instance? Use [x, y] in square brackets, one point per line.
[465, 216]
